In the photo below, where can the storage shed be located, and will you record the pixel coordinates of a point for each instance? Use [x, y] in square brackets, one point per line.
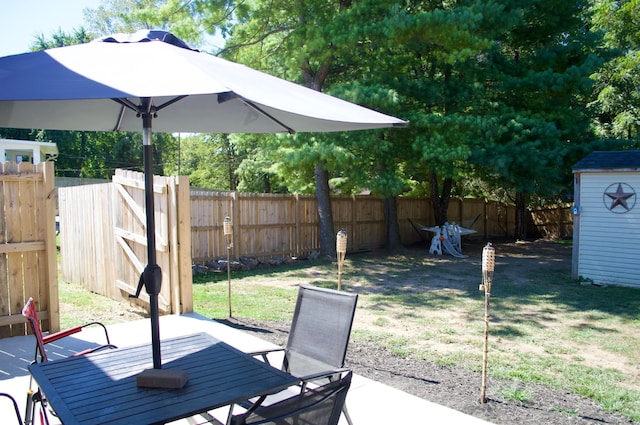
[606, 226]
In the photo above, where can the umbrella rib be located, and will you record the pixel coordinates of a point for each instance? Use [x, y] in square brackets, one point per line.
[120, 117]
[126, 103]
[260, 110]
[171, 102]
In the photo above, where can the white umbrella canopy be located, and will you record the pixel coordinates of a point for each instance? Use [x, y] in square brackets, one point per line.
[131, 82]
[76, 87]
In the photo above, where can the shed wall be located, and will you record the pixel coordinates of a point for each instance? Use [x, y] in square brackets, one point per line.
[608, 240]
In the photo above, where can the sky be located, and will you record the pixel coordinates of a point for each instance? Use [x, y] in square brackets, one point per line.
[22, 20]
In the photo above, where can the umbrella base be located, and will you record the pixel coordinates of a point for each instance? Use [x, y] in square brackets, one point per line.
[162, 378]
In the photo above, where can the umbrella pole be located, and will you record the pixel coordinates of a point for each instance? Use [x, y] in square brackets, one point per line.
[151, 258]
[153, 274]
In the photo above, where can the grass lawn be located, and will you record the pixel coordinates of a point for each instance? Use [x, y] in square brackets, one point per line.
[545, 327]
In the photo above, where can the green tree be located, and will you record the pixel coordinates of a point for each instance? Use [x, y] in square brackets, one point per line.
[618, 82]
[190, 20]
[209, 160]
[536, 121]
[302, 42]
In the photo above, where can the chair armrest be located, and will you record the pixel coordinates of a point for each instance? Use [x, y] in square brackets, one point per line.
[46, 339]
[265, 353]
[327, 374]
[61, 334]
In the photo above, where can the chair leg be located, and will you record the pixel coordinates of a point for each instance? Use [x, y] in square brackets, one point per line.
[346, 414]
[34, 398]
[29, 412]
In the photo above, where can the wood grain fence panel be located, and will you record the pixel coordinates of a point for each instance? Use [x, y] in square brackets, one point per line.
[208, 211]
[370, 231]
[27, 251]
[14, 259]
[419, 211]
[87, 239]
[307, 219]
[554, 221]
[28, 223]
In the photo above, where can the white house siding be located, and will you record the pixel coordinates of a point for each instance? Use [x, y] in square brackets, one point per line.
[609, 242]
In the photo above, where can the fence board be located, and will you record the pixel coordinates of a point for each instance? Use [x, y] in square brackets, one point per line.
[14, 259]
[5, 300]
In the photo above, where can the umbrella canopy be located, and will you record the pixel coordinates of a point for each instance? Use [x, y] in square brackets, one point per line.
[133, 81]
[99, 86]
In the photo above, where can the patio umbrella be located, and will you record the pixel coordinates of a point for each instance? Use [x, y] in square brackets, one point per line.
[151, 78]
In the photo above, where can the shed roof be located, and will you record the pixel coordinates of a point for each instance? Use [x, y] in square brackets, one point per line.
[609, 160]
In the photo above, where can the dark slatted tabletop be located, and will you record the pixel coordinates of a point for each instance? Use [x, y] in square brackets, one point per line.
[100, 388]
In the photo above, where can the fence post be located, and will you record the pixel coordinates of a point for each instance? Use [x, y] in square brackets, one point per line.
[237, 226]
[354, 223]
[51, 279]
[184, 242]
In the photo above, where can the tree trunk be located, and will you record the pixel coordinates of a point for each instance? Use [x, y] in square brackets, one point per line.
[325, 216]
[158, 164]
[83, 146]
[520, 231]
[267, 183]
[391, 220]
[440, 201]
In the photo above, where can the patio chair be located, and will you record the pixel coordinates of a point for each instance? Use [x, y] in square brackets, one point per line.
[313, 406]
[319, 334]
[35, 395]
[15, 407]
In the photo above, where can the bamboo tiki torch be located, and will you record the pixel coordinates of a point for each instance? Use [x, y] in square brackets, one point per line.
[228, 235]
[341, 250]
[488, 266]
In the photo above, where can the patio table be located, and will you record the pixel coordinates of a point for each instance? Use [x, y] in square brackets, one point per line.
[100, 388]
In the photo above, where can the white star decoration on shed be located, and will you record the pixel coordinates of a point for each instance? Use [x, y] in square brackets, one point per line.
[622, 197]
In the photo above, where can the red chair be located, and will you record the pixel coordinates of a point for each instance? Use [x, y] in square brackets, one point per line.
[35, 396]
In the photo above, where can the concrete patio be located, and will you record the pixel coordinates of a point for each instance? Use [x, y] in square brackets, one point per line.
[369, 402]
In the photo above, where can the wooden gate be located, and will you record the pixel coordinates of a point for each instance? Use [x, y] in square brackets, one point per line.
[106, 223]
[28, 265]
[130, 233]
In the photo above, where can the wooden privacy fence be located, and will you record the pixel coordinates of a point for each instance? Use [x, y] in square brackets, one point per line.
[28, 266]
[287, 225]
[103, 237]
[103, 243]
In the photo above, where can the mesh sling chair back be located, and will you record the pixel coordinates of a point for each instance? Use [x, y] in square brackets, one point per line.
[314, 406]
[319, 334]
[320, 330]
[30, 312]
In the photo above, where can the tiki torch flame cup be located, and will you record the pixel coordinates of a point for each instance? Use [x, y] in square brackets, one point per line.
[341, 242]
[488, 263]
[227, 226]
